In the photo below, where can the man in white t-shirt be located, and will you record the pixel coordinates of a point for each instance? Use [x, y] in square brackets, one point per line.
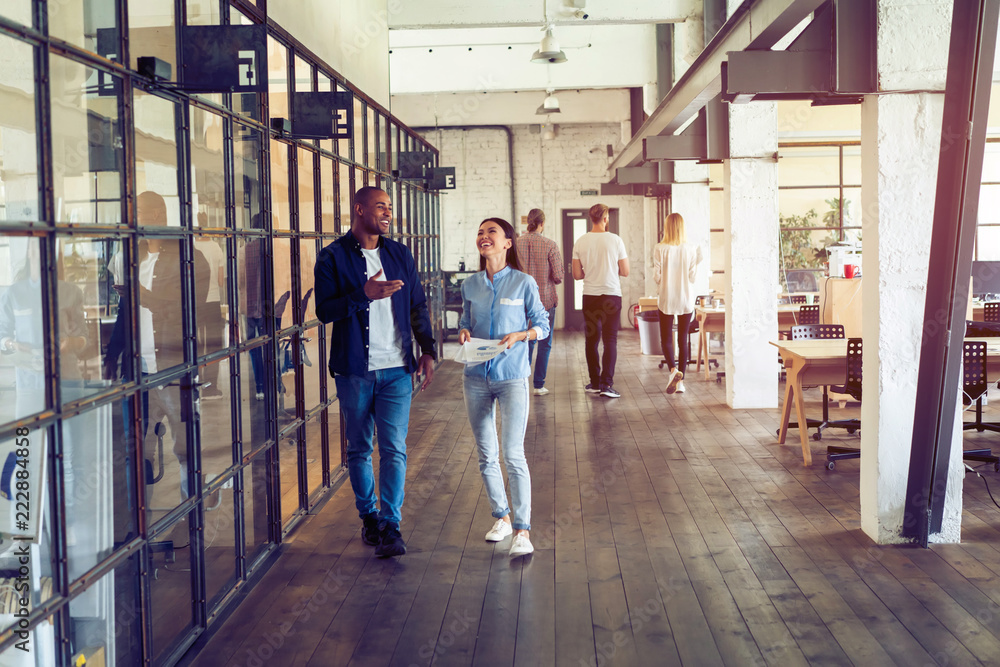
[599, 259]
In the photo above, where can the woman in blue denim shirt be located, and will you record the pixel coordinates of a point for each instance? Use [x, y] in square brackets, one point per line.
[498, 303]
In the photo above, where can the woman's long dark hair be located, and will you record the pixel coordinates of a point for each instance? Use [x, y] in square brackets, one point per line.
[508, 231]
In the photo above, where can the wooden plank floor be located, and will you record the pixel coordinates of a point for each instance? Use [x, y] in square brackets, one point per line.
[668, 530]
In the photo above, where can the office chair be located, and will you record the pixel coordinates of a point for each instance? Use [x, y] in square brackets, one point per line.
[991, 311]
[974, 387]
[852, 387]
[812, 332]
[798, 298]
[809, 315]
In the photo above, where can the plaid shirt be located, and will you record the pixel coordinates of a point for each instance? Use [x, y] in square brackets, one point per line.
[540, 258]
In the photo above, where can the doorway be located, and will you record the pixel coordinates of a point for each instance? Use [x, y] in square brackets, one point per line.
[576, 223]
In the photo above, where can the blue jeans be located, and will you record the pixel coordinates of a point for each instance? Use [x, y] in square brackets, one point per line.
[379, 399]
[481, 396]
[255, 327]
[544, 348]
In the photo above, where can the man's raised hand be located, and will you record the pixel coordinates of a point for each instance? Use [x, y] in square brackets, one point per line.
[380, 289]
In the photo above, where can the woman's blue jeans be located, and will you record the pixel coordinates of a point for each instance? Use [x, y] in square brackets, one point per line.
[377, 400]
[481, 397]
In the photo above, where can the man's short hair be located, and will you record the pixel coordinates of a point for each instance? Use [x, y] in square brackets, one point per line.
[597, 213]
[536, 218]
[365, 194]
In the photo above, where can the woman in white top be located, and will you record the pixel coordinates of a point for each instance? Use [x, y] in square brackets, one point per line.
[675, 265]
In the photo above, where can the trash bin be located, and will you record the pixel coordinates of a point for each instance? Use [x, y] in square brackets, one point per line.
[649, 332]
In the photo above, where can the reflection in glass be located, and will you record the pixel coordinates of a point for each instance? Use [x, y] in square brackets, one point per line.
[220, 544]
[328, 201]
[86, 143]
[253, 433]
[156, 155]
[337, 445]
[307, 200]
[312, 371]
[213, 314]
[246, 177]
[371, 147]
[89, 24]
[277, 78]
[251, 284]
[283, 308]
[17, 10]
[169, 567]
[208, 177]
[255, 521]
[281, 213]
[18, 151]
[22, 330]
[307, 277]
[342, 147]
[216, 425]
[151, 31]
[165, 448]
[358, 135]
[314, 455]
[287, 369]
[288, 474]
[107, 616]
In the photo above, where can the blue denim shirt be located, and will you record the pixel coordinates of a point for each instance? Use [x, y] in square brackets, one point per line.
[341, 272]
[494, 309]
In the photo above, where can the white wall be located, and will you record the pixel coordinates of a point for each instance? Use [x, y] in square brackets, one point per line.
[455, 13]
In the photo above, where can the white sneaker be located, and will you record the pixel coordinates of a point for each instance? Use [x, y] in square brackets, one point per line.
[540, 391]
[675, 377]
[521, 546]
[500, 530]
[680, 387]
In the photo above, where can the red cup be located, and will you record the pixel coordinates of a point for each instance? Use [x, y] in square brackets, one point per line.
[848, 270]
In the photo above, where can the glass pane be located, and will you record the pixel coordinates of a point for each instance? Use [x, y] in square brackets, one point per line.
[989, 205]
[328, 201]
[220, 543]
[157, 204]
[342, 147]
[255, 512]
[314, 455]
[254, 426]
[812, 207]
[358, 136]
[87, 314]
[303, 76]
[283, 296]
[18, 152]
[86, 143]
[89, 24]
[208, 176]
[170, 587]
[371, 150]
[216, 425]
[344, 173]
[99, 479]
[277, 78]
[22, 330]
[307, 200]
[250, 257]
[281, 213]
[17, 10]
[212, 311]
[809, 166]
[161, 331]
[325, 86]
[988, 244]
[853, 212]
[307, 264]
[245, 104]
[107, 616]
[852, 165]
[313, 371]
[801, 249]
[151, 32]
[287, 369]
[991, 163]
[337, 458]
[246, 177]
[288, 475]
[204, 12]
[165, 447]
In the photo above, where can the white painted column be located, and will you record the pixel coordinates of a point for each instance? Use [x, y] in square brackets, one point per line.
[900, 144]
[690, 198]
[751, 220]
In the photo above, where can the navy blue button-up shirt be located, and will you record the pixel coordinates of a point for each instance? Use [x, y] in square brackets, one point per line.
[341, 274]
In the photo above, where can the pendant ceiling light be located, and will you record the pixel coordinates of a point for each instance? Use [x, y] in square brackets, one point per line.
[550, 105]
[548, 51]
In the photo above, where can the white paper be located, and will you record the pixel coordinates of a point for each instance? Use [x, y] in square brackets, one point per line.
[478, 351]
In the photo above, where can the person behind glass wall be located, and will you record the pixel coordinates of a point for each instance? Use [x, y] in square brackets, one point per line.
[599, 260]
[675, 268]
[501, 302]
[162, 298]
[252, 301]
[211, 325]
[541, 259]
[367, 286]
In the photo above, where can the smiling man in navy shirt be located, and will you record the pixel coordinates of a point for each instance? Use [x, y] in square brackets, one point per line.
[367, 286]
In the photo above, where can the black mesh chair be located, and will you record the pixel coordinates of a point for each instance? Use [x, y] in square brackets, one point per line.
[809, 315]
[991, 311]
[852, 388]
[798, 298]
[974, 387]
[813, 332]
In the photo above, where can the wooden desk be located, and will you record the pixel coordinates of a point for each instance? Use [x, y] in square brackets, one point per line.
[824, 361]
[714, 319]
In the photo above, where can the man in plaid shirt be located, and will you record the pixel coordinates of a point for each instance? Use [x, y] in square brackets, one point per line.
[540, 257]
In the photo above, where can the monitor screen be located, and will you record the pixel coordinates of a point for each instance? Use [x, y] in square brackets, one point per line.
[986, 278]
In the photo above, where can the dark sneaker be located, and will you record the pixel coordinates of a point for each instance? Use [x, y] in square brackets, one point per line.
[369, 531]
[391, 544]
[591, 389]
[610, 392]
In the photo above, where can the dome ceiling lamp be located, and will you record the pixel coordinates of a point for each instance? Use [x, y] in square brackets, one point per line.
[548, 51]
[550, 105]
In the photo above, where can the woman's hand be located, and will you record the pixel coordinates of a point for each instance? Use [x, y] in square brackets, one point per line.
[514, 337]
[463, 336]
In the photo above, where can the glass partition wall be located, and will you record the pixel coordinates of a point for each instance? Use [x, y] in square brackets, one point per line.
[166, 416]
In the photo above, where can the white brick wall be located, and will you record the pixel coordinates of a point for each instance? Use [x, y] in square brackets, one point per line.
[549, 173]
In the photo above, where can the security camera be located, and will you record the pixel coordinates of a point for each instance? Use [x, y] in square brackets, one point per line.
[580, 14]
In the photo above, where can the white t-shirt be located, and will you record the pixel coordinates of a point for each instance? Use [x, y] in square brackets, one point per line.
[385, 343]
[599, 253]
[216, 258]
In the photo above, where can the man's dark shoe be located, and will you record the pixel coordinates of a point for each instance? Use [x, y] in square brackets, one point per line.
[392, 543]
[370, 534]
